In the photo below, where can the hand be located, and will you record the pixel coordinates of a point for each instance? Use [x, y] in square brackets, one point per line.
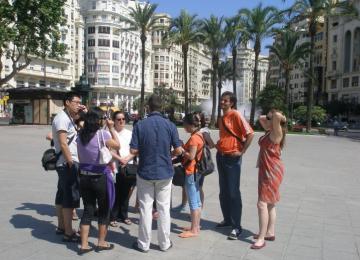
[83, 108]
[69, 164]
[124, 161]
[109, 124]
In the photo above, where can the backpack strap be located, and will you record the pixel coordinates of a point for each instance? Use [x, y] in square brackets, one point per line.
[229, 131]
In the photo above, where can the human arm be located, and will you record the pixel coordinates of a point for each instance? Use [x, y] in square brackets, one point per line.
[112, 143]
[191, 154]
[264, 122]
[62, 136]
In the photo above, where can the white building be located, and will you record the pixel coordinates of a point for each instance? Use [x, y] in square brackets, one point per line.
[245, 62]
[343, 62]
[167, 65]
[113, 56]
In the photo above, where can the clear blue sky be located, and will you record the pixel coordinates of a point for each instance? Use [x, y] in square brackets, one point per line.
[204, 8]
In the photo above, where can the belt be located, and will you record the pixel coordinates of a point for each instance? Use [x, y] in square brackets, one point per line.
[82, 172]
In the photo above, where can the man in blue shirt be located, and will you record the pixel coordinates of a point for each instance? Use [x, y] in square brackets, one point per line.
[152, 140]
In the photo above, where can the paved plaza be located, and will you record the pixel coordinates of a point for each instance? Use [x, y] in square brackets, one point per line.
[318, 215]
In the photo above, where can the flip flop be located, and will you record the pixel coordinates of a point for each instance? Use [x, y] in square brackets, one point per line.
[113, 224]
[59, 231]
[73, 238]
[127, 221]
[103, 248]
[187, 234]
[83, 251]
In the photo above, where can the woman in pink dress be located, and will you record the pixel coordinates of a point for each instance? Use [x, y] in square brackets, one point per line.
[271, 171]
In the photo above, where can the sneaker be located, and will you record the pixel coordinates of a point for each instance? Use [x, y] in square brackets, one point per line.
[164, 250]
[223, 224]
[182, 209]
[234, 235]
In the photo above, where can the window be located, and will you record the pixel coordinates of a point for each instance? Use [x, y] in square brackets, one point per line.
[104, 17]
[115, 69]
[115, 56]
[167, 75]
[156, 75]
[116, 44]
[104, 29]
[156, 58]
[334, 65]
[161, 58]
[115, 82]
[91, 68]
[62, 85]
[103, 95]
[103, 68]
[156, 66]
[91, 42]
[94, 5]
[345, 82]
[334, 84]
[116, 32]
[167, 58]
[91, 55]
[104, 55]
[32, 84]
[91, 30]
[335, 38]
[53, 84]
[103, 42]
[42, 83]
[355, 81]
[103, 81]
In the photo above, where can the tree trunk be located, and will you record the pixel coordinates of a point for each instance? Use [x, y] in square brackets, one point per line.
[219, 100]
[286, 97]
[310, 94]
[44, 63]
[215, 63]
[185, 49]
[142, 93]
[234, 54]
[257, 49]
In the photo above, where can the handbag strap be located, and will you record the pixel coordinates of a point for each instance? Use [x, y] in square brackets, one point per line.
[68, 143]
[229, 131]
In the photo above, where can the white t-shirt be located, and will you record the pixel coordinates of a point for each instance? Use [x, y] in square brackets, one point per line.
[62, 122]
[124, 137]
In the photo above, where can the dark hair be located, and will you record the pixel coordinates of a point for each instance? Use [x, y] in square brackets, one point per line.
[81, 118]
[91, 125]
[232, 97]
[69, 96]
[192, 119]
[154, 103]
[116, 113]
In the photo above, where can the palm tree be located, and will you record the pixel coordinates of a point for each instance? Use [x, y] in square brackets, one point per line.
[258, 25]
[214, 37]
[313, 11]
[289, 54]
[144, 21]
[184, 31]
[234, 37]
[225, 72]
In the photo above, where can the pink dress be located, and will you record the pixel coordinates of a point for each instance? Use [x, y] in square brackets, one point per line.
[271, 170]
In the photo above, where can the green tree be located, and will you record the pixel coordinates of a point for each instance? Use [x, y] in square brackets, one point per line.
[213, 36]
[30, 28]
[234, 37]
[318, 114]
[184, 31]
[313, 11]
[289, 54]
[258, 25]
[270, 97]
[144, 21]
[225, 72]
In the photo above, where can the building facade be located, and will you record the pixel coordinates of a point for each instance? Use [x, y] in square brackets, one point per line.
[112, 55]
[343, 60]
[168, 69]
[245, 62]
[50, 73]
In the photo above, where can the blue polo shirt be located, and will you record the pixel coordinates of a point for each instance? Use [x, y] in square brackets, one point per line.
[154, 137]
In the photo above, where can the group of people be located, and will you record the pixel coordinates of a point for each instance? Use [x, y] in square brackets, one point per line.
[85, 139]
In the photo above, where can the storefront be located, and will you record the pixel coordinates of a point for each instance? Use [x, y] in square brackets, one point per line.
[35, 105]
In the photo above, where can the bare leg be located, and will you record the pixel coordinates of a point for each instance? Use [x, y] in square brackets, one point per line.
[84, 234]
[60, 217]
[102, 235]
[272, 220]
[195, 225]
[263, 222]
[67, 215]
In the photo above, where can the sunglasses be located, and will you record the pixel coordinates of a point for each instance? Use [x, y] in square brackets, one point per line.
[120, 119]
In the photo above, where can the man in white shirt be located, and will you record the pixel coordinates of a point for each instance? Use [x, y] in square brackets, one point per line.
[64, 134]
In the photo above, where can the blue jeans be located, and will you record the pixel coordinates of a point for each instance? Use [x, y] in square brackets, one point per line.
[229, 169]
[192, 191]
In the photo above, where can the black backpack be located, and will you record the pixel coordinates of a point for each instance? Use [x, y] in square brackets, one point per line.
[205, 165]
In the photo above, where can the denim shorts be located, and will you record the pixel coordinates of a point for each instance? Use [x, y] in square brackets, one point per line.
[192, 191]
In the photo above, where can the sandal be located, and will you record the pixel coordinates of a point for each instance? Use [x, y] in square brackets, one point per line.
[113, 224]
[59, 231]
[73, 238]
[83, 251]
[102, 248]
[127, 221]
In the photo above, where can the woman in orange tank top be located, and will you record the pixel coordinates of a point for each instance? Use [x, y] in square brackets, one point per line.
[271, 171]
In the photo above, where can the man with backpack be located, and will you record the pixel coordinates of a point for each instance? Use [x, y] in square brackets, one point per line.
[235, 138]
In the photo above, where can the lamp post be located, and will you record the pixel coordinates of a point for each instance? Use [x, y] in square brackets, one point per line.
[83, 88]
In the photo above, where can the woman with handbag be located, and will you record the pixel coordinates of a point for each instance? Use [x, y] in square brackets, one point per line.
[96, 183]
[126, 175]
[271, 172]
[192, 153]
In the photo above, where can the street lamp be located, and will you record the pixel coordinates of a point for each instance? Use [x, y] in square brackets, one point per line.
[83, 88]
